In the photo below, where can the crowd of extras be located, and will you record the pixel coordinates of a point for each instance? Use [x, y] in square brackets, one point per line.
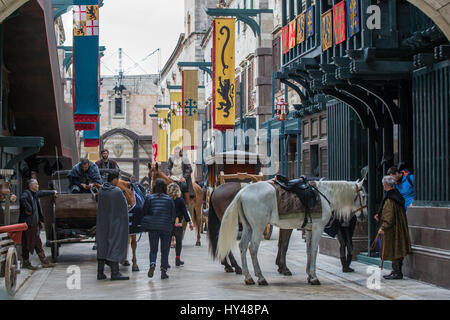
[165, 208]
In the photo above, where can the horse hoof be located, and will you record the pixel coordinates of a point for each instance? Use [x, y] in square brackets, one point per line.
[263, 282]
[238, 270]
[198, 244]
[229, 269]
[314, 282]
[134, 268]
[249, 281]
[287, 272]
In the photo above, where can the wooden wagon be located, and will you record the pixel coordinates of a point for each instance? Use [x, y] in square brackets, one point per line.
[72, 217]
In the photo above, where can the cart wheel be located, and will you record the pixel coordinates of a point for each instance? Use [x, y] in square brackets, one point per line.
[54, 246]
[11, 271]
[268, 232]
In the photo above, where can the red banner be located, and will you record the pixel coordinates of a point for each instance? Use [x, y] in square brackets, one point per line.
[285, 39]
[339, 22]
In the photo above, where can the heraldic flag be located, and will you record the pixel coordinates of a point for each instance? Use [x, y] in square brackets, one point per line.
[154, 139]
[190, 108]
[224, 92]
[86, 73]
[163, 129]
[92, 137]
[176, 121]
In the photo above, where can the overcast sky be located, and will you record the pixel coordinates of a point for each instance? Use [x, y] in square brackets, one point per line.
[138, 27]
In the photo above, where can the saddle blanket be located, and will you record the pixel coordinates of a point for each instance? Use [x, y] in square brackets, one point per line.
[290, 206]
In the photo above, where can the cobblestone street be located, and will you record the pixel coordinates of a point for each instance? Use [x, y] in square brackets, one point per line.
[201, 278]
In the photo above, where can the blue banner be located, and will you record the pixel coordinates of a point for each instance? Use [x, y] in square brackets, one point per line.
[86, 60]
[352, 17]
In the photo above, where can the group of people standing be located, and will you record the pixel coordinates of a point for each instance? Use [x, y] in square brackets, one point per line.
[393, 225]
[162, 215]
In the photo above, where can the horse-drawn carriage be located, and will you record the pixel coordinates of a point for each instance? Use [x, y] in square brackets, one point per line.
[72, 217]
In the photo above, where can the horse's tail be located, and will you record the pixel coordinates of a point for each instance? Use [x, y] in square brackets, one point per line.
[213, 228]
[228, 228]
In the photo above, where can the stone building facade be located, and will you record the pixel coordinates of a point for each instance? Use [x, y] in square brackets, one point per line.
[125, 124]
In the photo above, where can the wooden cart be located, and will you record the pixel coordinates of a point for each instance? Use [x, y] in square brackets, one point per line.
[10, 235]
[73, 220]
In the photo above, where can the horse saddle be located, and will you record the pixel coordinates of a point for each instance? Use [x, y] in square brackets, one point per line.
[303, 189]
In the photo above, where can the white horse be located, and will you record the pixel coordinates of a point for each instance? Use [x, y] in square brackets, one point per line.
[256, 206]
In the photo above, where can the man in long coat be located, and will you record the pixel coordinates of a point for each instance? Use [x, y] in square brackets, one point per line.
[112, 228]
[180, 171]
[394, 229]
[31, 214]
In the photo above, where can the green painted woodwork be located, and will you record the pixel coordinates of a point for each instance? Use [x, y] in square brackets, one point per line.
[205, 66]
[243, 15]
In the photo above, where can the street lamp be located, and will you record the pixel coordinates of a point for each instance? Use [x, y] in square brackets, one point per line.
[281, 110]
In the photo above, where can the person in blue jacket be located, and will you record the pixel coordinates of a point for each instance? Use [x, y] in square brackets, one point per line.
[404, 184]
[159, 218]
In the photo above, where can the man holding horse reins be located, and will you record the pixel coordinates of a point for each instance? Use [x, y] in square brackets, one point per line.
[84, 176]
[180, 171]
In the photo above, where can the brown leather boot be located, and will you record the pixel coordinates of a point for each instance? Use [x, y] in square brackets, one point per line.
[45, 263]
[27, 265]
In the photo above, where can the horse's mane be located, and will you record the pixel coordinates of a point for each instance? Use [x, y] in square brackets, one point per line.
[341, 195]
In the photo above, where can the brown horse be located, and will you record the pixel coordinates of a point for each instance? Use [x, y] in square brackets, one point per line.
[195, 204]
[220, 199]
[128, 193]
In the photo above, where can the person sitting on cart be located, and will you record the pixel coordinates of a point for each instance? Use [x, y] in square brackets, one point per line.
[84, 176]
[31, 214]
[180, 171]
[106, 163]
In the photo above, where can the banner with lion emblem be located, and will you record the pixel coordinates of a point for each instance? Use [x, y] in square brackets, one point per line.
[224, 92]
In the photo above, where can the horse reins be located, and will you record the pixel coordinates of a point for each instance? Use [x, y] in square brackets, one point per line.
[358, 196]
[382, 248]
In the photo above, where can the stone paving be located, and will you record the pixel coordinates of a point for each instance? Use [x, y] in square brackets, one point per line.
[202, 278]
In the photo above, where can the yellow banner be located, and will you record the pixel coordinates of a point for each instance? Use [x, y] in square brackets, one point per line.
[176, 121]
[224, 93]
[327, 32]
[163, 129]
[190, 108]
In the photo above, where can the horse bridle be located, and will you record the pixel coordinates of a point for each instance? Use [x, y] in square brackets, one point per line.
[358, 196]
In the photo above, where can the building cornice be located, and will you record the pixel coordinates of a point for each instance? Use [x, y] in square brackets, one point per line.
[173, 57]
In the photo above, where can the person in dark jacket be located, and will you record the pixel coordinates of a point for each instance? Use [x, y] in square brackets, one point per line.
[106, 163]
[112, 228]
[84, 176]
[158, 220]
[31, 214]
[174, 191]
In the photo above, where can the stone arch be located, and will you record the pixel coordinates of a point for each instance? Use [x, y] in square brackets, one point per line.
[436, 10]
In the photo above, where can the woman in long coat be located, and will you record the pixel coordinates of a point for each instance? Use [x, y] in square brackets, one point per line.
[394, 229]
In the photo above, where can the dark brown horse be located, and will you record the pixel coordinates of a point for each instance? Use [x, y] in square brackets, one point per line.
[219, 201]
